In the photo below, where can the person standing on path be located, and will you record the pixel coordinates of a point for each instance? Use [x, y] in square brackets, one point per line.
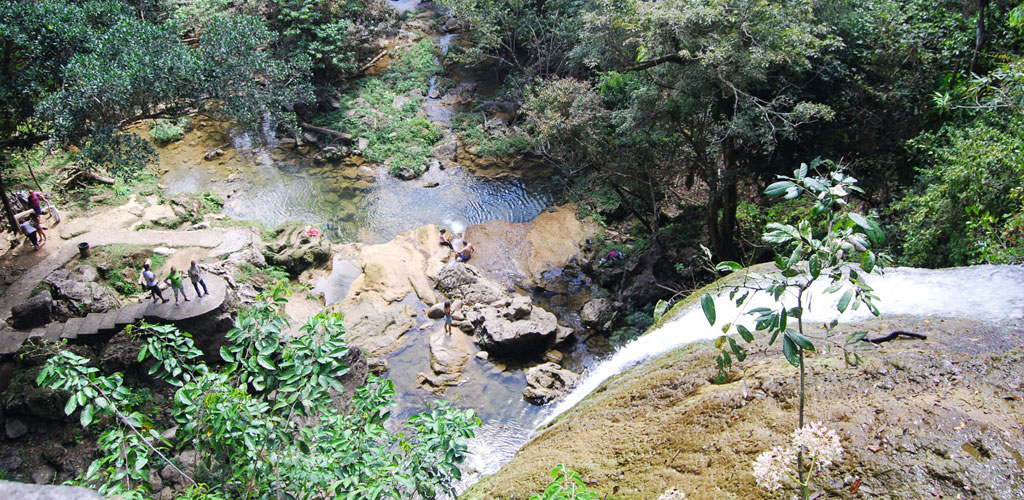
[149, 278]
[35, 201]
[195, 275]
[30, 230]
[39, 228]
[448, 317]
[174, 280]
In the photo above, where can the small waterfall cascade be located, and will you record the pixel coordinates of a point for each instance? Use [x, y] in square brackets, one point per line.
[987, 293]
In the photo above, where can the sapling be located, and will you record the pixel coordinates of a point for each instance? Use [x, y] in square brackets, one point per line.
[833, 243]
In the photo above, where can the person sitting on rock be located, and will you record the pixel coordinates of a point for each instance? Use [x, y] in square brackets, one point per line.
[196, 276]
[611, 257]
[149, 278]
[444, 239]
[465, 253]
[175, 281]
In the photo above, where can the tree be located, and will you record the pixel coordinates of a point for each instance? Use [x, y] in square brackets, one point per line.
[834, 244]
[78, 73]
[264, 425]
[727, 79]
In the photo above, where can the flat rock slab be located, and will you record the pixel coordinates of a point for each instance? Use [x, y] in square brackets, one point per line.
[169, 311]
[22, 491]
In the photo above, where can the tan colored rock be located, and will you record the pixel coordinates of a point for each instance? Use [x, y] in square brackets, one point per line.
[450, 353]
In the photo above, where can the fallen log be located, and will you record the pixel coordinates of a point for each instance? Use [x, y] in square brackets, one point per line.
[895, 335]
[374, 61]
[327, 131]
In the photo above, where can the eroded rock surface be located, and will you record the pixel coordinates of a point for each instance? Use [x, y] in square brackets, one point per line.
[548, 382]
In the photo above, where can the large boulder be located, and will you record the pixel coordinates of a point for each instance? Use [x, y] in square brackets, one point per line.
[463, 281]
[80, 292]
[22, 491]
[295, 250]
[36, 311]
[547, 382]
[597, 313]
[513, 327]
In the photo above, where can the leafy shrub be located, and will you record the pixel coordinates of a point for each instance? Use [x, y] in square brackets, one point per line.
[168, 131]
[266, 422]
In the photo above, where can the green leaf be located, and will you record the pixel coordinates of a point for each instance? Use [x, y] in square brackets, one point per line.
[659, 310]
[745, 333]
[844, 301]
[778, 188]
[790, 350]
[226, 355]
[814, 264]
[265, 362]
[708, 305]
[71, 406]
[867, 262]
[855, 337]
[737, 350]
[86, 417]
[728, 266]
[800, 340]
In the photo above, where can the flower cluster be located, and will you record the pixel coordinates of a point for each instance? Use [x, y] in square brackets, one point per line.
[672, 494]
[819, 444]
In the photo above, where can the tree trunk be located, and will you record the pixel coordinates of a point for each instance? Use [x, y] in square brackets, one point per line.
[721, 212]
[7, 204]
[979, 34]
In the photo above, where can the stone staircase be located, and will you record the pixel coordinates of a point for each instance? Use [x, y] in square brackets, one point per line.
[97, 327]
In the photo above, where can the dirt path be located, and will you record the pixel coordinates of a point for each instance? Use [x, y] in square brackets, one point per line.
[220, 241]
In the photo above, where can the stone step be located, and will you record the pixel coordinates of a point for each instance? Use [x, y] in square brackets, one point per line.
[129, 313]
[90, 325]
[71, 328]
[53, 331]
[11, 340]
[37, 332]
[108, 320]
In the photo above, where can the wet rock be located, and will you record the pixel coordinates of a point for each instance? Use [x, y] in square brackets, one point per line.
[482, 355]
[434, 94]
[36, 311]
[377, 366]
[597, 313]
[553, 356]
[374, 324]
[15, 428]
[500, 332]
[433, 184]
[406, 174]
[464, 281]
[436, 311]
[563, 334]
[295, 251]
[547, 382]
[450, 353]
[366, 173]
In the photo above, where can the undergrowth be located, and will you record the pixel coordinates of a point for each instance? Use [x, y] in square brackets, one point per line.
[398, 135]
[469, 127]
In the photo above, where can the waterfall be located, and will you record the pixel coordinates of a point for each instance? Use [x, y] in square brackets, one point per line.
[987, 293]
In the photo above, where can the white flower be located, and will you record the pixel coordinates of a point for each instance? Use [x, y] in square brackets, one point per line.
[819, 442]
[772, 466]
[672, 494]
